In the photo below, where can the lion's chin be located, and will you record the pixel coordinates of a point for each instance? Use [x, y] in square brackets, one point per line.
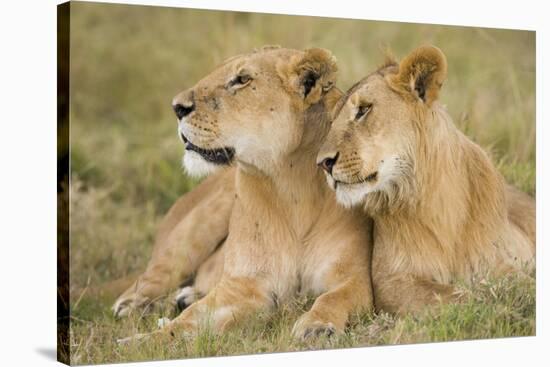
[350, 195]
[196, 166]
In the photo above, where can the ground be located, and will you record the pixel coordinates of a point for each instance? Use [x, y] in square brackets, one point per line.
[492, 309]
[127, 63]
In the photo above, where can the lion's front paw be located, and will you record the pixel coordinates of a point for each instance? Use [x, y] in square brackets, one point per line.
[309, 326]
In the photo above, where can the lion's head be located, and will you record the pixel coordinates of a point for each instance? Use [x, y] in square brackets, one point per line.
[251, 108]
[378, 135]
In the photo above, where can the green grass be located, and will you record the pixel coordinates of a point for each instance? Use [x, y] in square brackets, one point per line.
[127, 62]
[492, 308]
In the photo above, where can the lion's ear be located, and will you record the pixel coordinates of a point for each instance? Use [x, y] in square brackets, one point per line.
[310, 74]
[422, 73]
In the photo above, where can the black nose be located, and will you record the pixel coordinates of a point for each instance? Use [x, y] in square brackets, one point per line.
[328, 163]
[182, 111]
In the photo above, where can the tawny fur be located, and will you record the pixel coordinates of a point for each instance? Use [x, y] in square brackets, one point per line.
[287, 234]
[442, 211]
[193, 227]
[187, 237]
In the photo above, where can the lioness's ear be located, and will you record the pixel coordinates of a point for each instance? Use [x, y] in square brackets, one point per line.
[422, 73]
[310, 74]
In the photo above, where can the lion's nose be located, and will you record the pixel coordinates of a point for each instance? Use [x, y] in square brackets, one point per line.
[183, 110]
[328, 163]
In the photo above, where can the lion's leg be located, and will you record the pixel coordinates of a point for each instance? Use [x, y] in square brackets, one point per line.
[331, 310]
[402, 294]
[522, 213]
[188, 243]
[519, 241]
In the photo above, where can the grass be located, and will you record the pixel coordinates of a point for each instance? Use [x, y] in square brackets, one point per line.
[492, 308]
[127, 62]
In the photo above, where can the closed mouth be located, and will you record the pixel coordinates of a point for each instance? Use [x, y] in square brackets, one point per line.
[217, 156]
[370, 178]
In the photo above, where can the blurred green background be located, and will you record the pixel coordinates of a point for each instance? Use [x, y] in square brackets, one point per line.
[127, 62]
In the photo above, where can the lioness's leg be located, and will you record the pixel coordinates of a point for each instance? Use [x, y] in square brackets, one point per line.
[340, 264]
[230, 301]
[184, 242]
[208, 275]
[331, 310]
[402, 294]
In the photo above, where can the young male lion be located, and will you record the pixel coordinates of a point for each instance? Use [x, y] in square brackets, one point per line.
[266, 113]
[441, 210]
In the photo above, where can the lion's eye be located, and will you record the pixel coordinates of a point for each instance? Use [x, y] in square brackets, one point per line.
[243, 79]
[363, 110]
[240, 81]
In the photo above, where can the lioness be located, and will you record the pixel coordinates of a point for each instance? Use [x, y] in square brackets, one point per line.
[441, 210]
[267, 113]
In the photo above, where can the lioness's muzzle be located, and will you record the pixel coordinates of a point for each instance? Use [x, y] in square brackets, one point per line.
[217, 156]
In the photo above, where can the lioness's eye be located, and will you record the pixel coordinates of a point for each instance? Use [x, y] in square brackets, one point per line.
[363, 110]
[243, 79]
[240, 80]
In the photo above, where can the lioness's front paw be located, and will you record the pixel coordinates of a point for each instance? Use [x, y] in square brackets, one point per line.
[155, 336]
[133, 338]
[162, 322]
[309, 326]
[127, 303]
[185, 297]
